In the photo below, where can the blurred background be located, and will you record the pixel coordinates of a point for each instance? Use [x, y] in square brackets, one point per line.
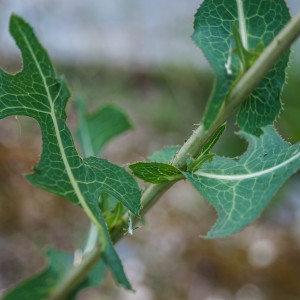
[139, 55]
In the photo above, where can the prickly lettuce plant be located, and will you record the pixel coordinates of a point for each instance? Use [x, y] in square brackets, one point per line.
[246, 43]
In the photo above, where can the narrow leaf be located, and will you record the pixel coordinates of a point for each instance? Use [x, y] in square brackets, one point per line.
[204, 155]
[37, 92]
[240, 188]
[213, 140]
[258, 22]
[155, 172]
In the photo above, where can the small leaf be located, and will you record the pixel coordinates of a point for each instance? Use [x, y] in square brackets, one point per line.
[97, 129]
[239, 189]
[155, 172]
[41, 285]
[258, 22]
[158, 168]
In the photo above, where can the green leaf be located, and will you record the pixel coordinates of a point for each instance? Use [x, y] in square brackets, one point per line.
[258, 22]
[114, 216]
[158, 169]
[204, 155]
[165, 155]
[193, 165]
[41, 285]
[93, 132]
[213, 140]
[37, 92]
[246, 57]
[155, 172]
[240, 188]
[97, 129]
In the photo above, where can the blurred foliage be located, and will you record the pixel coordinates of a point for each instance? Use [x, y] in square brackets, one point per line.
[289, 118]
[170, 98]
[165, 259]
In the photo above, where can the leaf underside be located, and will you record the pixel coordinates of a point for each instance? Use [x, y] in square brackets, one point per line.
[37, 92]
[258, 23]
[239, 189]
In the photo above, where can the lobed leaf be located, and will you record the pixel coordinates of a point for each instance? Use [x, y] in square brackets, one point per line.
[239, 189]
[257, 22]
[157, 168]
[38, 93]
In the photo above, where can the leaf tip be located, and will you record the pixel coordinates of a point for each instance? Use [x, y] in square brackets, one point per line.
[15, 20]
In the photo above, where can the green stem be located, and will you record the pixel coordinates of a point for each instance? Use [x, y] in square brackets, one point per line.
[193, 145]
[76, 275]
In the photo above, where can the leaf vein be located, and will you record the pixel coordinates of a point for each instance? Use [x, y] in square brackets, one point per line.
[250, 175]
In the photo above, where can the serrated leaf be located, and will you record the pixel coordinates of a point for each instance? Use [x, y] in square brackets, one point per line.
[239, 189]
[157, 168]
[38, 93]
[258, 22]
[41, 285]
[155, 172]
[95, 130]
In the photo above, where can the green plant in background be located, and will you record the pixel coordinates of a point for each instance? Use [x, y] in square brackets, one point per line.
[246, 43]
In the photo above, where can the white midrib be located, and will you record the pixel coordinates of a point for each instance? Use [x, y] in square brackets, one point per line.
[250, 175]
[60, 144]
[242, 23]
